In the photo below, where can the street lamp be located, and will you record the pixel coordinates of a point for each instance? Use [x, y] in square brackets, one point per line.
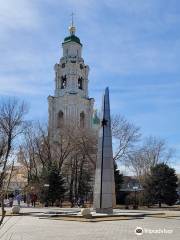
[46, 186]
[135, 188]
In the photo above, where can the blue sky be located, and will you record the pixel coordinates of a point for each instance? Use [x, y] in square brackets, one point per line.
[132, 46]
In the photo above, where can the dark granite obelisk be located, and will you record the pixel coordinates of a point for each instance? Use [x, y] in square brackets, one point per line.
[104, 188]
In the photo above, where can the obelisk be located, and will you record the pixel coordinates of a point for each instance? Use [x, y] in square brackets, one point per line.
[104, 187]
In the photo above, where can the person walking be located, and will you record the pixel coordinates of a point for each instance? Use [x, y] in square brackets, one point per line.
[19, 198]
[11, 199]
[33, 199]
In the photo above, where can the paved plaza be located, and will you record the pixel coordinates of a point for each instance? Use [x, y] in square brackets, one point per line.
[36, 227]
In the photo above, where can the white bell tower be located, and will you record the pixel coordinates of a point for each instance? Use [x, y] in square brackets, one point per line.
[70, 101]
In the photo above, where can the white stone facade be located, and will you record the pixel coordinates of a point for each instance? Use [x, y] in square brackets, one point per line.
[70, 101]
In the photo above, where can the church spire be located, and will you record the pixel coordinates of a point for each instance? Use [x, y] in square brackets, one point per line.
[72, 37]
[72, 28]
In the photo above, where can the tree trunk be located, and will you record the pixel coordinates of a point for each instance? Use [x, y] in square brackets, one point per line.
[71, 189]
[2, 209]
[76, 178]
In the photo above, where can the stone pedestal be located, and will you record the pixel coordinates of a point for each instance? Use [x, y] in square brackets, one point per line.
[86, 213]
[104, 188]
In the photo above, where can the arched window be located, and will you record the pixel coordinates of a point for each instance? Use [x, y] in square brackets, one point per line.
[63, 82]
[80, 83]
[60, 119]
[82, 120]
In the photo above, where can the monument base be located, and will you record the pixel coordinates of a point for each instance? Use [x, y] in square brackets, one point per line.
[104, 210]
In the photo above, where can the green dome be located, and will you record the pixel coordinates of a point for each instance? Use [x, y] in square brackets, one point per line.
[96, 119]
[72, 38]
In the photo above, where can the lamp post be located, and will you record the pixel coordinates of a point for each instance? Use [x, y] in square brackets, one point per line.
[46, 186]
[135, 188]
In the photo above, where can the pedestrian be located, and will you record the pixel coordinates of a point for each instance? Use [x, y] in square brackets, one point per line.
[24, 198]
[19, 198]
[33, 199]
[80, 202]
[11, 199]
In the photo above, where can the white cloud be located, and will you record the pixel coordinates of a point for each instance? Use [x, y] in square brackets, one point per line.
[23, 85]
[18, 14]
[21, 72]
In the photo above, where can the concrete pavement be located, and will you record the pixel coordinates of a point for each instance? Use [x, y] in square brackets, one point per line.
[31, 227]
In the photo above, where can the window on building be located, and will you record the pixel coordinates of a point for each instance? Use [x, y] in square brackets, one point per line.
[63, 82]
[80, 83]
[60, 119]
[82, 120]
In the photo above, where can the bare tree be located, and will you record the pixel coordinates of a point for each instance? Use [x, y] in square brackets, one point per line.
[11, 125]
[153, 151]
[63, 147]
[40, 150]
[28, 152]
[72, 150]
[125, 135]
[79, 168]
